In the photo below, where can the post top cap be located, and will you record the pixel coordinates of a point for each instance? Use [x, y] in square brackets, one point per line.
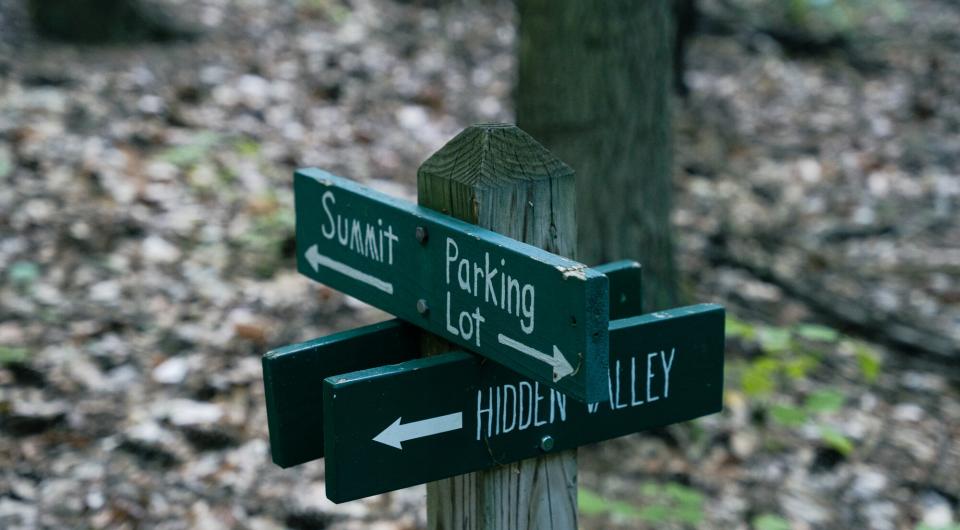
[493, 155]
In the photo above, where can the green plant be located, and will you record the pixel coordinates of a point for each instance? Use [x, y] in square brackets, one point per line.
[840, 16]
[835, 439]
[788, 355]
[659, 503]
[6, 165]
[331, 10]
[592, 504]
[262, 244]
[13, 355]
[188, 155]
[22, 274]
[769, 521]
[247, 147]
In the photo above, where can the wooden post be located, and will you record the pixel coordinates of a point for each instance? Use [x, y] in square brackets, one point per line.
[500, 178]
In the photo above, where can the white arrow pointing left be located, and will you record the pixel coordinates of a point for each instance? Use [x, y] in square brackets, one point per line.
[316, 259]
[397, 433]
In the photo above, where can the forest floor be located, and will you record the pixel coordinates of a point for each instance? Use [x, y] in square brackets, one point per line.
[146, 231]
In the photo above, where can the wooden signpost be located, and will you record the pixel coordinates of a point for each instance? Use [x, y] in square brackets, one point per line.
[566, 355]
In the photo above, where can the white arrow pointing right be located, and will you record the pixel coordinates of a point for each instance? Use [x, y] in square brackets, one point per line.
[397, 433]
[561, 367]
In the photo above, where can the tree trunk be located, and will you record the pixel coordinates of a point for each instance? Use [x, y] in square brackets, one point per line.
[97, 21]
[594, 88]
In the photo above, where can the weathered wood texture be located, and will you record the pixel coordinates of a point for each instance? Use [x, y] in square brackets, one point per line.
[594, 88]
[500, 178]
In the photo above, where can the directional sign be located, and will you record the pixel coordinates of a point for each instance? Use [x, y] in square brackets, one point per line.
[626, 287]
[293, 382]
[293, 375]
[395, 426]
[542, 315]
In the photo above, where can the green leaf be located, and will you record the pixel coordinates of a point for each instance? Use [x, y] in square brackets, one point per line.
[682, 495]
[193, 152]
[835, 439]
[769, 521]
[688, 503]
[6, 166]
[592, 504]
[247, 147]
[825, 401]
[650, 489]
[760, 377]
[12, 355]
[799, 367]
[950, 526]
[655, 514]
[689, 515]
[23, 273]
[736, 328]
[868, 360]
[775, 340]
[817, 332]
[788, 416]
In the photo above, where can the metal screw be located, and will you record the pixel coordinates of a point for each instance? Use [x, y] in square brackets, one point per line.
[422, 307]
[546, 443]
[422, 234]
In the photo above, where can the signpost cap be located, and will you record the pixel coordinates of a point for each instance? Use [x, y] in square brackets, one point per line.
[490, 155]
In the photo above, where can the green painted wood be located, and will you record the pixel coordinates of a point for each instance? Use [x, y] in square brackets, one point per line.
[465, 414]
[293, 382]
[293, 375]
[626, 287]
[540, 314]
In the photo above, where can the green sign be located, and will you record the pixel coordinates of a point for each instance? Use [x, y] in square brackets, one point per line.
[293, 382]
[536, 313]
[293, 375]
[422, 420]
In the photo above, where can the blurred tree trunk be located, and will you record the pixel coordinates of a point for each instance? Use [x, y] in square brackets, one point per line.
[594, 87]
[93, 21]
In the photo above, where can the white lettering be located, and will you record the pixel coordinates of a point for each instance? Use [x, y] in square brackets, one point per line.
[326, 208]
[536, 405]
[451, 244]
[361, 237]
[633, 383]
[650, 376]
[481, 410]
[666, 371]
[509, 390]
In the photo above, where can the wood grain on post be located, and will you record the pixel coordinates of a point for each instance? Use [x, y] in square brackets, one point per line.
[498, 177]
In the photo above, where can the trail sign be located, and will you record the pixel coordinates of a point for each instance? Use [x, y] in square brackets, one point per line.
[422, 420]
[293, 375]
[293, 382]
[539, 314]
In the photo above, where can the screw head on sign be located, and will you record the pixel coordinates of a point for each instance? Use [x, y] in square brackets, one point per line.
[422, 234]
[422, 307]
[546, 443]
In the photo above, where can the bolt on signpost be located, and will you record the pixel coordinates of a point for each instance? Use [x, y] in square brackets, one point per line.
[566, 355]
